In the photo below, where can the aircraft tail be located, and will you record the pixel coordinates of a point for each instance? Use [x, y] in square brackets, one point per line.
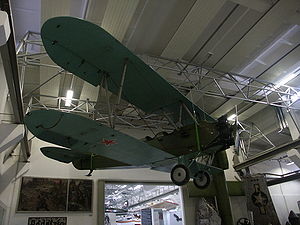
[62, 154]
[80, 160]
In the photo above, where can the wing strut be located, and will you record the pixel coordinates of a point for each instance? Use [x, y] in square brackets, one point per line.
[107, 100]
[190, 113]
[120, 89]
[170, 121]
[122, 81]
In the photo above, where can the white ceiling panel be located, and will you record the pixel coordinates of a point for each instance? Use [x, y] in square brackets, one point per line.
[89, 92]
[96, 10]
[192, 26]
[272, 24]
[117, 17]
[51, 87]
[31, 79]
[52, 8]
[258, 5]
[26, 15]
[156, 25]
[210, 31]
[233, 29]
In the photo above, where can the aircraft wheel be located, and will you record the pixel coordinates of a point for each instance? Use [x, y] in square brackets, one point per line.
[202, 180]
[180, 175]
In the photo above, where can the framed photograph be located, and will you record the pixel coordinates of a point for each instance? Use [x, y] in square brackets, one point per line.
[56, 195]
[80, 195]
[40, 194]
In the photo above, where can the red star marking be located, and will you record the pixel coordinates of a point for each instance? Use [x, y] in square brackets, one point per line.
[108, 142]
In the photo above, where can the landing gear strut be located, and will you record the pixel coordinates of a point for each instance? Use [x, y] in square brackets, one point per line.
[90, 173]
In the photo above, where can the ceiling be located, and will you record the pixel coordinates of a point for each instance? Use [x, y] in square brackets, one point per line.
[258, 38]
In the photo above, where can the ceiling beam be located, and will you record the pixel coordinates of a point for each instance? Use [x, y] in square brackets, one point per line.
[267, 154]
[8, 53]
[258, 5]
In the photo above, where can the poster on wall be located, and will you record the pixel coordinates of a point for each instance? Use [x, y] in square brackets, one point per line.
[206, 213]
[80, 195]
[259, 200]
[42, 194]
[47, 220]
[47, 194]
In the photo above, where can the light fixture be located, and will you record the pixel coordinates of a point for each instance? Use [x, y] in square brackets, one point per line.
[69, 97]
[290, 163]
[138, 187]
[231, 117]
[286, 79]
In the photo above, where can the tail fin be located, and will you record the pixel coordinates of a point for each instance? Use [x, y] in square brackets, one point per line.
[62, 154]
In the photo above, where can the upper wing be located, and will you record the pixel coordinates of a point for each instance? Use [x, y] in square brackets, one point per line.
[88, 136]
[90, 52]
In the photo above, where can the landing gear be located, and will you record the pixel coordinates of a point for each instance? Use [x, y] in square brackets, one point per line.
[202, 179]
[91, 166]
[90, 173]
[180, 175]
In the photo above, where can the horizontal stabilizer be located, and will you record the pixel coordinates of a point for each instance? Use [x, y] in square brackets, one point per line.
[62, 154]
[98, 162]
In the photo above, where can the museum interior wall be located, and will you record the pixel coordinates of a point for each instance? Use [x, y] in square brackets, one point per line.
[285, 197]
[40, 166]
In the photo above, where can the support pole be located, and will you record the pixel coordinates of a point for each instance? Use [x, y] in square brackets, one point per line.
[191, 115]
[101, 201]
[223, 200]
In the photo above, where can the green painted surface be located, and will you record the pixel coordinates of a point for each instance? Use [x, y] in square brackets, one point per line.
[62, 154]
[80, 160]
[90, 52]
[87, 136]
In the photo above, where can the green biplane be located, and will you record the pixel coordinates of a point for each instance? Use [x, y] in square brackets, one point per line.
[194, 150]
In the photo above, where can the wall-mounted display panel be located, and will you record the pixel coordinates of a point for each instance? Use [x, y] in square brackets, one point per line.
[57, 195]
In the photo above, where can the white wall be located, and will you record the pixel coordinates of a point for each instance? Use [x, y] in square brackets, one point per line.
[239, 207]
[41, 166]
[285, 195]
[3, 89]
[5, 195]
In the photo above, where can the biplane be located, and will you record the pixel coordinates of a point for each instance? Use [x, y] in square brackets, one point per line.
[195, 149]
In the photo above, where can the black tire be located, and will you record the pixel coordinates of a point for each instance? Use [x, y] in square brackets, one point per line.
[202, 179]
[180, 175]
